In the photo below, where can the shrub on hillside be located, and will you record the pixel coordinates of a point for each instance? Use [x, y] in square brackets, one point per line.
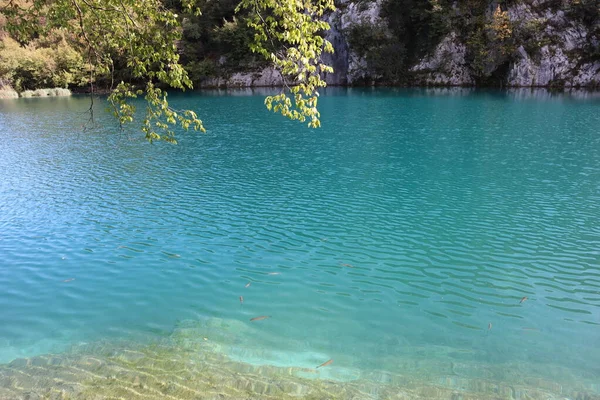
[49, 62]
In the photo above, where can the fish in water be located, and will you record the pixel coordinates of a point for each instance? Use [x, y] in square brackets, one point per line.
[260, 318]
[248, 284]
[274, 273]
[172, 255]
[489, 326]
[241, 299]
[326, 363]
[69, 280]
[347, 265]
[523, 299]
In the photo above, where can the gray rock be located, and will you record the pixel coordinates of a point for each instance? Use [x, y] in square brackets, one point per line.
[446, 66]
[348, 66]
[265, 78]
[558, 63]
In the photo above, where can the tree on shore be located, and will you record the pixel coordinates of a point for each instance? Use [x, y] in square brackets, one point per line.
[144, 36]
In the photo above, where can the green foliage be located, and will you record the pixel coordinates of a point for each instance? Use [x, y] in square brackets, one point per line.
[385, 56]
[234, 38]
[218, 42]
[42, 63]
[490, 40]
[199, 70]
[414, 28]
[160, 117]
[418, 25]
[588, 12]
[144, 38]
[142, 33]
[530, 34]
[288, 33]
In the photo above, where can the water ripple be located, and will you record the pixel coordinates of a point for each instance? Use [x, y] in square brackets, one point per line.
[423, 231]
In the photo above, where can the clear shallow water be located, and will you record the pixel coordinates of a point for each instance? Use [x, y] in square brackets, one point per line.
[388, 240]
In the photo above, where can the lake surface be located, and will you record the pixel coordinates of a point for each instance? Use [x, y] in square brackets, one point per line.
[433, 244]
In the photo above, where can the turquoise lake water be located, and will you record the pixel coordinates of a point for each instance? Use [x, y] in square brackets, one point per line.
[409, 227]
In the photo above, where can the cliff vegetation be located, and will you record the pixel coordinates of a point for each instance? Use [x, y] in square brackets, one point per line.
[383, 42]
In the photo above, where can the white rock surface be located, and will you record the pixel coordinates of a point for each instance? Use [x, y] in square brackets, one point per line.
[348, 66]
[446, 66]
[268, 77]
[558, 63]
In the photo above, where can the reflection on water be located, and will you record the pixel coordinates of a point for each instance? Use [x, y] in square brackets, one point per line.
[397, 241]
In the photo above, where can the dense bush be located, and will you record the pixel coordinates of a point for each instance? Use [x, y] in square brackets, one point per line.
[417, 25]
[218, 41]
[385, 56]
[588, 12]
[47, 62]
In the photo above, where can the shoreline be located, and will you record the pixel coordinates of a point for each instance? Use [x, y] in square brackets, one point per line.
[190, 363]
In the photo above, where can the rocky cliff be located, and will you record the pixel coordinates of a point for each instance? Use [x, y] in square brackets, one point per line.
[545, 43]
[519, 43]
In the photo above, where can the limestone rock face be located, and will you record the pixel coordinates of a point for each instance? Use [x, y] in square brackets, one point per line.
[264, 78]
[563, 61]
[447, 65]
[348, 66]
[555, 67]
[6, 91]
[561, 53]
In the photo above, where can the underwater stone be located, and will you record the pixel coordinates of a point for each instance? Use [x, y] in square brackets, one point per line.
[19, 363]
[31, 396]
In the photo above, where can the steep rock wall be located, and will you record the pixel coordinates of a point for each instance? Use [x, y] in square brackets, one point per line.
[564, 61]
[349, 67]
[560, 51]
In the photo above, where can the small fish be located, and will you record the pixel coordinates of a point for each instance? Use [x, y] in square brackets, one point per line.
[523, 299]
[489, 326]
[260, 318]
[171, 255]
[248, 284]
[274, 273]
[69, 280]
[347, 265]
[326, 363]
[241, 299]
